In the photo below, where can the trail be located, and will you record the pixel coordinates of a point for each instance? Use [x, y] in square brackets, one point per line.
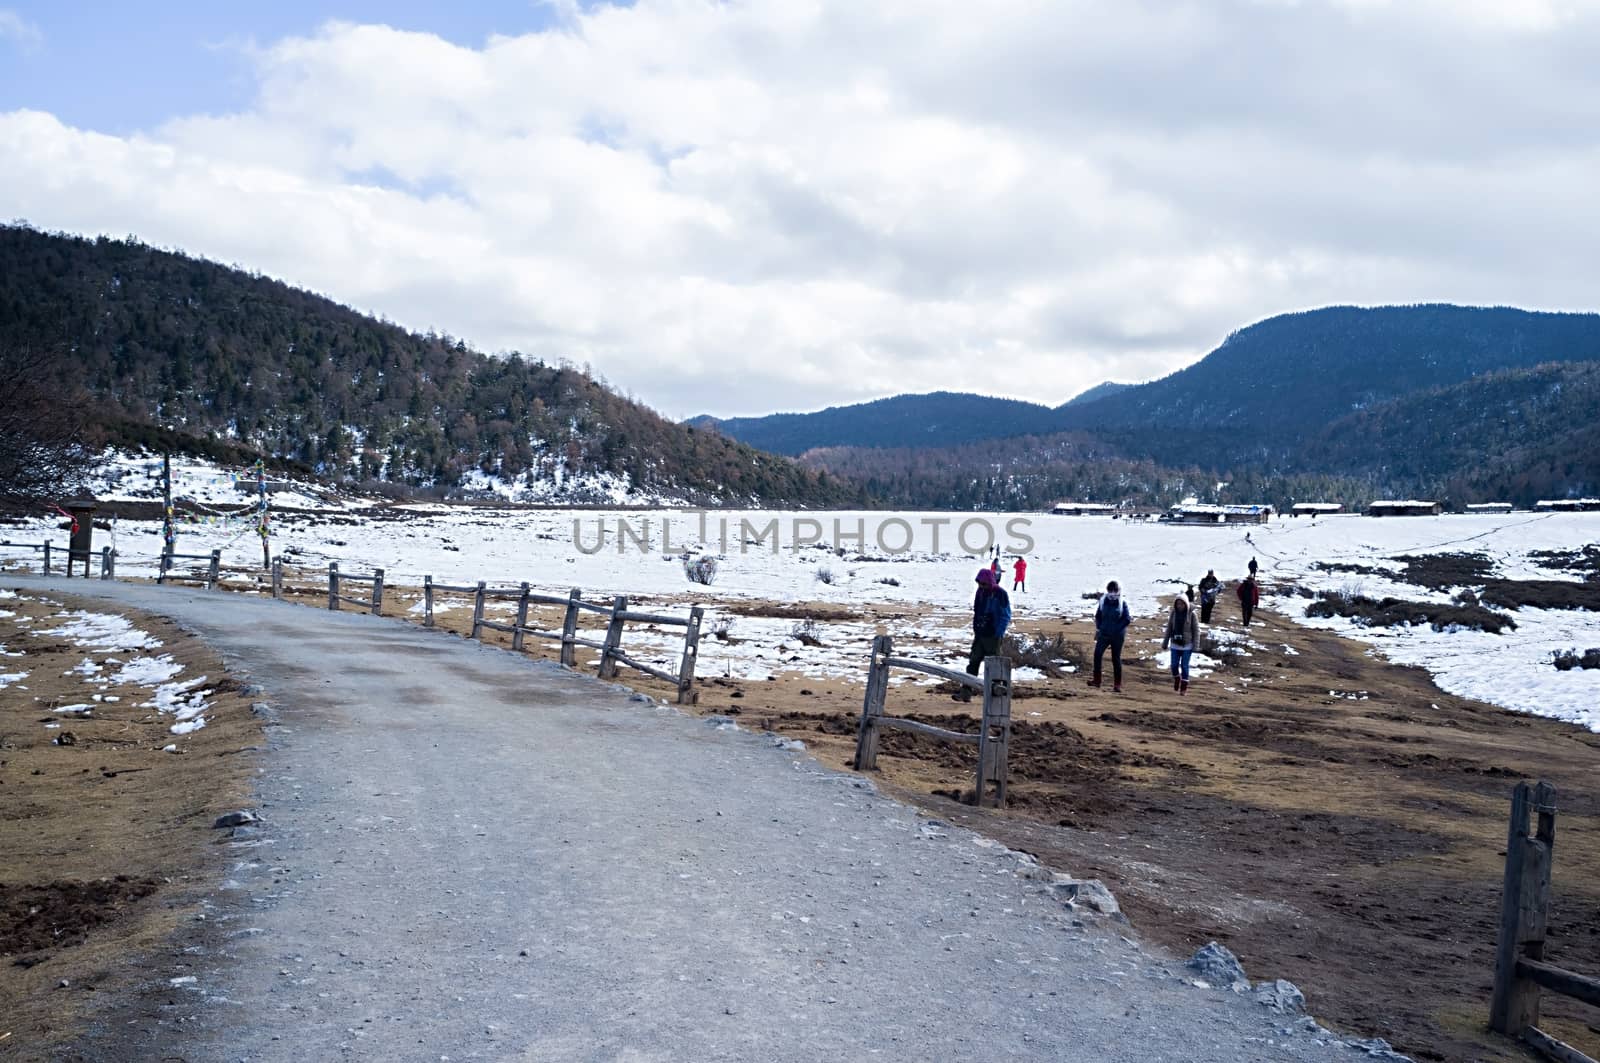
[471, 855]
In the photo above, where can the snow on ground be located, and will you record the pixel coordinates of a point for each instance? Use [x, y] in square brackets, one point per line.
[7, 678]
[849, 559]
[103, 631]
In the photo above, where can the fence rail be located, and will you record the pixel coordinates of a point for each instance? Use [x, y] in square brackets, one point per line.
[106, 557]
[1521, 971]
[337, 579]
[165, 574]
[994, 731]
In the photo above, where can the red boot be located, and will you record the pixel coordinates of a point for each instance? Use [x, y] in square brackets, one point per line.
[1095, 681]
[1116, 688]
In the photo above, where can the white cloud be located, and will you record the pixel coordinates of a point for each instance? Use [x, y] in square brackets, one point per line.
[14, 27]
[739, 207]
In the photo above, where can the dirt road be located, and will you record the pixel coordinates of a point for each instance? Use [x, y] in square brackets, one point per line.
[469, 855]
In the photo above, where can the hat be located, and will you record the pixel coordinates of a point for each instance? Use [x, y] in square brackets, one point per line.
[986, 577]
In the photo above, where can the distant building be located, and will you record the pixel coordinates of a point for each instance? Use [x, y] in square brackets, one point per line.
[1568, 505]
[1313, 509]
[1083, 509]
[1198, 513]
[1409, 507]
[1489, 507]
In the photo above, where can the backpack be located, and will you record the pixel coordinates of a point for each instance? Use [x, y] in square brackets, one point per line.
[994, 616]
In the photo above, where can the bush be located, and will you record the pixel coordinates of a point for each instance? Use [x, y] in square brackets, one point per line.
[1438, 571]
[1226, 654]
[889, 581]
[1566, 662]
[701, 569]
[824, 574]
[1542, 594]
[1047, 653]
[1392, 612]
[806, 632]
[722, 629]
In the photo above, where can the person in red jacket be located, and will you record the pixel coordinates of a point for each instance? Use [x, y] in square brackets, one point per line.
[1249, 597]
[1019, 575]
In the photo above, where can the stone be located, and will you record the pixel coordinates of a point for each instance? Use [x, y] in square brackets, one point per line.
[1217, 965]
[234, 819]
[1088, 893]
[1281, 996]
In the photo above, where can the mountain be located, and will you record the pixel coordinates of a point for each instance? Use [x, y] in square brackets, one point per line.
[941, 418]
[165, 342]
[1099, 391]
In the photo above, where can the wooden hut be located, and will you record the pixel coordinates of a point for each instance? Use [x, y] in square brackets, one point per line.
[1314, 509]
[1409, 507]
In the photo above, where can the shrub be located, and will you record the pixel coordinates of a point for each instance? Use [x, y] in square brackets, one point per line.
[1566, 662]
[722, 629]
[701, 569]
[1392, 612]
[1438, 571]
[806, 632]
[1542, 594]
[889, 581]
[824, 574]
[1226, 654]
[1047, 653]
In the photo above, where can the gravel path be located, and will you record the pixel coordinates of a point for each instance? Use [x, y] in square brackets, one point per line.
[469, 855]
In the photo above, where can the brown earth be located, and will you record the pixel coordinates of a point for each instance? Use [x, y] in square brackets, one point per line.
[1334, 819]
[107, 840]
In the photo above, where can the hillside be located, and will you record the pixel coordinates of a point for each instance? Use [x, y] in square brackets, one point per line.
[162, 340]
[1099, 391]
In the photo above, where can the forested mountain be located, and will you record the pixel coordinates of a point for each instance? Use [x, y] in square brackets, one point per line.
[161, 339]
[938, 419]
[1099, 391]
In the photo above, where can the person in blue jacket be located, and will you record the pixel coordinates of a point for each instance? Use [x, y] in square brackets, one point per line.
[991, 616]
[1111, 620]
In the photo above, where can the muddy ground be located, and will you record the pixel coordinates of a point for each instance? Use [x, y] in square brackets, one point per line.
[107, 840]
[1334, 819]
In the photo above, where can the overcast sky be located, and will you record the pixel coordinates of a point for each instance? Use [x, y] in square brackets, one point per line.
[739, 208]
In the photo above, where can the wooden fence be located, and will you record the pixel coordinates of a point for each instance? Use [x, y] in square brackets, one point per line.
[994, 732]
[617, 615]
[107, 557]
[1520, 969]
[166, 574]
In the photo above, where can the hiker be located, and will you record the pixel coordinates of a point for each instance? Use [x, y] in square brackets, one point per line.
[1188, 592]
[994, 567]
[1252, 568]
[1210, 588]
[1019, 574]
[1249, 597]
[991, 615]
[1181, 636]
[1111, 620]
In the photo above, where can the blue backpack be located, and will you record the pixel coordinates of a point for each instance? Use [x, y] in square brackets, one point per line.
[995, 618]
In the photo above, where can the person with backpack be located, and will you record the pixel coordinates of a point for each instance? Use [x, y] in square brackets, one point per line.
[1252, 568]
[1181, 637]
[1249, 597]
[1111, 620]
[1210, 590]
[991, 616]
[1019, 574]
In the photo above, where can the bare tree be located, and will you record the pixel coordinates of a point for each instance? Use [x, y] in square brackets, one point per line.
[43, 455]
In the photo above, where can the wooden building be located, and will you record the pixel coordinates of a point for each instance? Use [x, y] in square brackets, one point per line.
[1083, 509]
[1198, 513]
[1409, 507]
[1314, 509]
[1568, 505]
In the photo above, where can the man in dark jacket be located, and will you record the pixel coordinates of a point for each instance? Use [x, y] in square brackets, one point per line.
[991, 616]
[1111, 620]
[1210, 588]
[1249, 597]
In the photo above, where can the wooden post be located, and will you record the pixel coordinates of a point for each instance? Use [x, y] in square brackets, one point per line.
[47, 557]
[522, 619]
[215, 570]
[377, 591]
[1524, 909]
[108, 562]
[569, 630]
[613, 643]
[691, 651]
[994, 735]
[277, 577]
[161, 568]
[477, 612]
[427, 601]
[872, 704]
[333, 585]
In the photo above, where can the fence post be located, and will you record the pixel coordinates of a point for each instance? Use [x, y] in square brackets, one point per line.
[377, 591]
[613, 643]
[427, 601]
[569, 630]
[691, 651]
[47, 557]
[161, 569]
[214, 571]
[872, 704]
[477, 612]
[1524, 909]
[108, 562]
[333, 585]
[994, 735]
[522, 619]
[277, 577]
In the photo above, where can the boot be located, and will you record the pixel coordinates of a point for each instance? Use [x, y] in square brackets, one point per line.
[1175, 681]
[1184, 688]
[1116, 688]
[1095, 681]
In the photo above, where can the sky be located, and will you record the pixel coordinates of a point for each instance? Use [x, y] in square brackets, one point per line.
[737, 207]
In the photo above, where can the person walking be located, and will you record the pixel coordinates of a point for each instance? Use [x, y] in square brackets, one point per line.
[1181, 637]
[1210, 589]
[1249, 597]
[1019, 574]
[1188, 592]
[991, 616]
[1111, 620]
[1252, 568]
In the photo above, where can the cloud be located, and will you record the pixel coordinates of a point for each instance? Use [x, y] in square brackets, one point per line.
[14, 27]
[740, 207]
